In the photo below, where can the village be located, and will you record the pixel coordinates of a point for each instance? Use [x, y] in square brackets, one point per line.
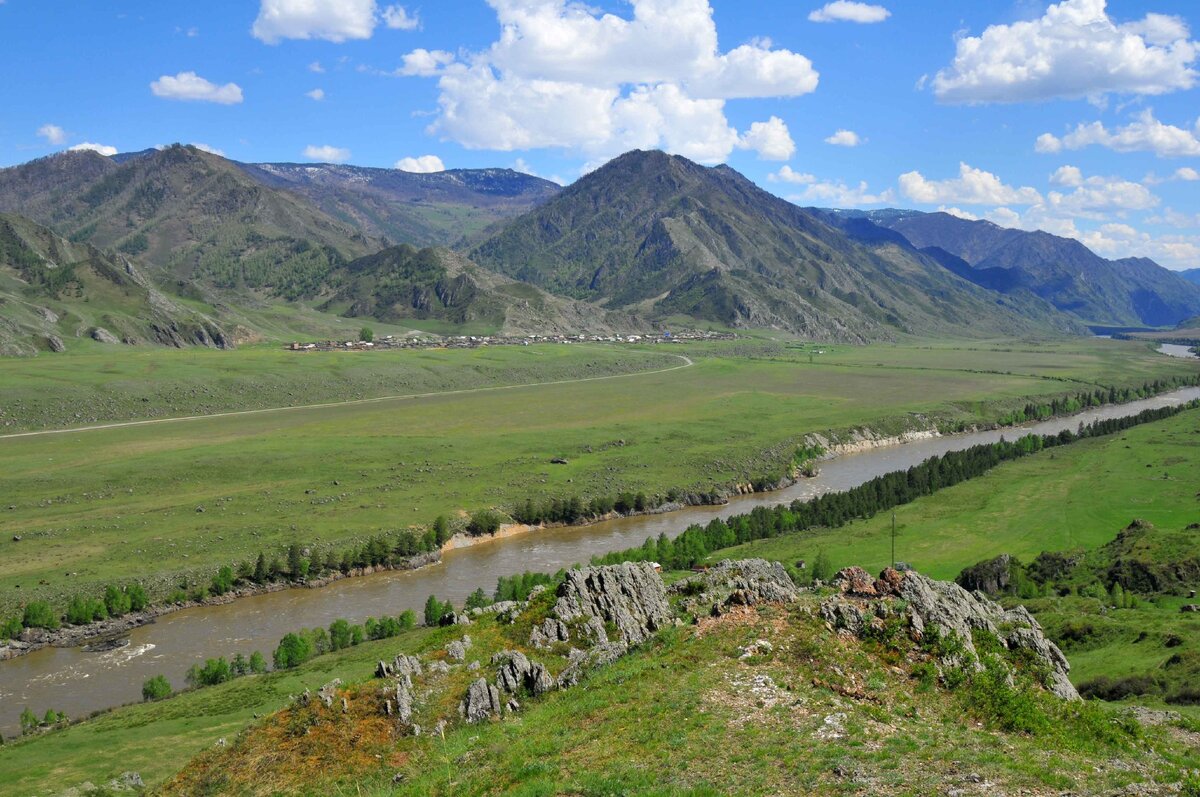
[427, 341]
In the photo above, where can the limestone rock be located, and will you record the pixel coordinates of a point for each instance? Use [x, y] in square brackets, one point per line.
[745, 582]
[991, 577]
[631, 596]
[482, 701]
[517, 673]
[55, 343]
[102, 335]
[551, 630]
[457, 650]
[327, 692]
[855, 581]
[404, 703]
[947, 607]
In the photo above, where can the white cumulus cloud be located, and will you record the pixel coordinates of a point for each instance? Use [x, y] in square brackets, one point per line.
[422, 164]
[770, 139]
[330, 20]
[206, 148]
[840, 195]
[849, 11]
[398, 18]
[1144, 134]
[315, 94]
[52, 133]
[565, 75]
[88, 146]
[1074, 50]
[971, 187]
[844, 138]
[189, 86]
[425, 63]
[789, 175]
[326, 153]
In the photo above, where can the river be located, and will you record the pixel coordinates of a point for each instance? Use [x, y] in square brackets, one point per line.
[78, 682]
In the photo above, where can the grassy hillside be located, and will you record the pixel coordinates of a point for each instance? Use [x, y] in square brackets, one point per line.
[734, 416]
[420, 286]
[55, 293]
[686, 715]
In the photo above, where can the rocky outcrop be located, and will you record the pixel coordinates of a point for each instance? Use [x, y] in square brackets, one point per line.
[482, 701]
[550, 632]
[926, 604]
[328, 692]
[737, 583]
[457, 650]
[991, 577]
[102, 335]
[630, 596]
[518, 674]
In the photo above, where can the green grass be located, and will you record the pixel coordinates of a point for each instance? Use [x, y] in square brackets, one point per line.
[1078, 496]
[98, 503]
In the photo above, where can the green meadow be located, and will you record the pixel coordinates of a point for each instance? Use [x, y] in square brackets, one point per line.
[92, 506]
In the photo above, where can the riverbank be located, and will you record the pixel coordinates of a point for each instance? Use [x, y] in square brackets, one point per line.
[832, 444]
[115, 627]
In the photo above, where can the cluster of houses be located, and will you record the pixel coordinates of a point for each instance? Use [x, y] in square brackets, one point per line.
[478, 341]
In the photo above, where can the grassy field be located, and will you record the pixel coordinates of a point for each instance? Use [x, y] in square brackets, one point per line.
[1078, 496]
[666, 714]
[190, 496]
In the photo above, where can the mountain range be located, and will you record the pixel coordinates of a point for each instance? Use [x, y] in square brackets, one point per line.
[646, 239]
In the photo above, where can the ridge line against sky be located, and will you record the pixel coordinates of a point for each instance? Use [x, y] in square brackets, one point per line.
[1079, 117]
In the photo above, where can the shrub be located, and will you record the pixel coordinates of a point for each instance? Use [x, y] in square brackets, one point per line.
[10, 628]
[483, 522]
[258, 664]
[116, 601]
[223, 581]
[293, 651]
[81, 611]
[29, 721]
[38, 614]
[156, 688]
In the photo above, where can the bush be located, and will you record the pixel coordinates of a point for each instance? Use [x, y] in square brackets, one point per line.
[81, 611]
[293, 651]
[29, 721]
[10, 628]
[483, 522]
[223, 581]
[366, 335]
[116, 601]
[258, 664]
[214, 671]
[477, 600]
[156, 688]
[1104, 687]
[433, 610]
[38, 614]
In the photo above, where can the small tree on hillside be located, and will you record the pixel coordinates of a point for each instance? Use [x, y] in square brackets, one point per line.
[366, 334]
[822, 568]
[156, 688]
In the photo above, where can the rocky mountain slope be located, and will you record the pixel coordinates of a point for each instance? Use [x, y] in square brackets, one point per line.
[185, 215]
[1128, 292]
[405, 283]
[663, 234]
[53, 291]
[405, 207]
[615, 683]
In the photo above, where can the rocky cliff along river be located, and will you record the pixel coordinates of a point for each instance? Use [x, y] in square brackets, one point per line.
[79, 682]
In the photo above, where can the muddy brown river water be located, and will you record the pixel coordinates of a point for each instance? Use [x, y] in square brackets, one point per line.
[79, 682]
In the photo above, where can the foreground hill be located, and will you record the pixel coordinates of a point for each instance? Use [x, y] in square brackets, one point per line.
[1128, 292]
[900, 685]
[53, 291]
[665, 235]
[403, 283]
[420, 209]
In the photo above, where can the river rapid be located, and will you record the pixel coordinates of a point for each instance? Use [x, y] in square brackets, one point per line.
[79, 682]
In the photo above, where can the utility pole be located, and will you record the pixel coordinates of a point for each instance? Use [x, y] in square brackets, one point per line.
[893, 539]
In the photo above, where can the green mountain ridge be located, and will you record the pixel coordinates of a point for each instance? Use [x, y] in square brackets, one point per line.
[52, 289]
[668, 236]
[1126, 292]
[404, 283]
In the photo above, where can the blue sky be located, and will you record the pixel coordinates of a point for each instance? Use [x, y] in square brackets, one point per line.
[1082, 117]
